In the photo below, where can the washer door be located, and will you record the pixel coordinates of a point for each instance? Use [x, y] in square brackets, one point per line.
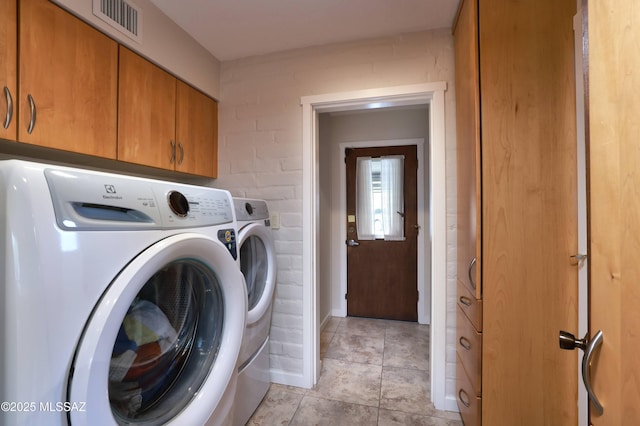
[257, 262]
[161, 345]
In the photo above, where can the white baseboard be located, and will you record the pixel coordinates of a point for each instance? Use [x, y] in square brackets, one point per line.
[288, 379]
[451, 404]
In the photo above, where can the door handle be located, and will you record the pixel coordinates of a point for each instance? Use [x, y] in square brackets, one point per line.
[586, 371]
[569, 342]
[352, 243]
[7, 95]
[473, 262]
[173, 151]
[181, 153]
[32, 108]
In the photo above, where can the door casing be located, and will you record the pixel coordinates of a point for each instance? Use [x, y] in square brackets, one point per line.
[425, 93]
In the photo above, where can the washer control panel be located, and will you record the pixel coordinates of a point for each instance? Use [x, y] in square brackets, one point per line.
[96, 200]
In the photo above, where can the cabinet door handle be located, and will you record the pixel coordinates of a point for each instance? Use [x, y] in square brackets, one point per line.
[7, 95]
[173, 151]
[465, 343]
[464, 399]
[465, 301]
[473, 262]
[181, 153]
[32, 108]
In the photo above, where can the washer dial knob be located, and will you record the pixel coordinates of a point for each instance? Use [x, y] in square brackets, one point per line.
[178, 203]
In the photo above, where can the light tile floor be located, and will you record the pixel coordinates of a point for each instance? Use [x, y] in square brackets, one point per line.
[374, 372]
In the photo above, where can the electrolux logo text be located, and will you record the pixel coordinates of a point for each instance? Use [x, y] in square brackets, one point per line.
[111, 193]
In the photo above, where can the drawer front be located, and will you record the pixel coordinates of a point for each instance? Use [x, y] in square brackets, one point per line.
[469, 349]
[471, 306]
[470, 405]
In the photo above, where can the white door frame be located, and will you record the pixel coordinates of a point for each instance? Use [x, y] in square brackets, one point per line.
[427, 93]
[338, 246]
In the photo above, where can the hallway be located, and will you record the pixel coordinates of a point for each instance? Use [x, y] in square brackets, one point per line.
[374, 372]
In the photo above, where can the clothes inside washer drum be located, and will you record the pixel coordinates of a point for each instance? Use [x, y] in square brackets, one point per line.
[153, 343]
[152, 381]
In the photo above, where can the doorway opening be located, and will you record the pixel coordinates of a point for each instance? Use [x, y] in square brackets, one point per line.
[428, 93]
[338, 277]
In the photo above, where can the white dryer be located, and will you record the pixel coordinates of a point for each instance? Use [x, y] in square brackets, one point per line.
[258, 264]
[121, 301]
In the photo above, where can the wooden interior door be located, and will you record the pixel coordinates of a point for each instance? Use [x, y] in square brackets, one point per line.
[529, 211]
[382, 275]
[8, 69]
[614, 208]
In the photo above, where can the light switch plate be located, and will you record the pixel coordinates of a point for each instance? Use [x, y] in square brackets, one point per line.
[274, 218]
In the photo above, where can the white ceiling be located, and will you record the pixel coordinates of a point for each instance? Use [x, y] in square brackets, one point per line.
[232, 29]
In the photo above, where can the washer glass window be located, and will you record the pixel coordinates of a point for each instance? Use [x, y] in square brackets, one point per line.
[166, 344]
[254, 265]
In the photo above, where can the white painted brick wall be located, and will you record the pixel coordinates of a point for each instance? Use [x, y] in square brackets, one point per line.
[260, 150]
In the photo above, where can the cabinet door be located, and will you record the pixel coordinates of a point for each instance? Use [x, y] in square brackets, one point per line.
[8, 68]
[468, 147]
[70, 71]
[146, 111]
[196, 132]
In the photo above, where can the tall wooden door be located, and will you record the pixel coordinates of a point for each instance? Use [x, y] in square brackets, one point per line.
[529, 212]
[382, 274]
[614, 249]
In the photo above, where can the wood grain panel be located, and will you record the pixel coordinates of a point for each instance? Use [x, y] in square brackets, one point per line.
[8, 66]
[529, 211]
[468, 147]
[471, 306]
[197, 131]
[470, 405]
[71, 71]
[469, 349]
[146, 112]
[614, 207]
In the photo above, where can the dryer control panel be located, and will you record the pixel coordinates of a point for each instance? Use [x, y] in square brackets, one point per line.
[91, 200]
[251, 209]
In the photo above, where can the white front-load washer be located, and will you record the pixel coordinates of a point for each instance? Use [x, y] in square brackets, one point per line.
[121, 301]
[258, 264]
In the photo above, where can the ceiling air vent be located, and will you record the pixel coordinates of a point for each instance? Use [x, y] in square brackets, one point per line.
[122, 15]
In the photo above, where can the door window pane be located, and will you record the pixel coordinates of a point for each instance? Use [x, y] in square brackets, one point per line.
[380, 197]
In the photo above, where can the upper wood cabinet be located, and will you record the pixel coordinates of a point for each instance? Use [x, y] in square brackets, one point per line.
[8, 69]
[196, 132]
[517, 214]
[147, 112]
[68, 81]
[162, 121]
